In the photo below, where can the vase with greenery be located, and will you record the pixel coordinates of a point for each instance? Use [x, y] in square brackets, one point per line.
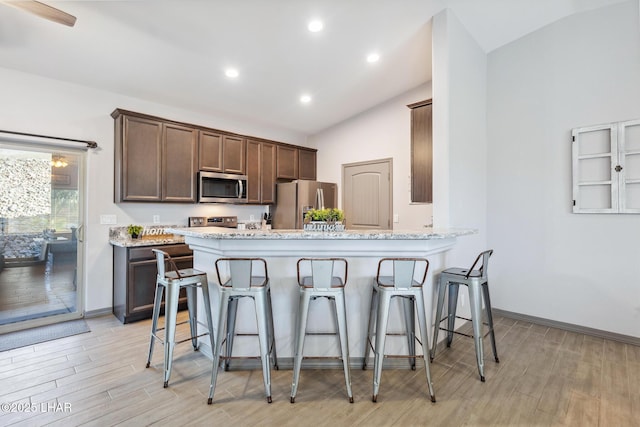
[329, 219]
[332, 215]
[134, 231]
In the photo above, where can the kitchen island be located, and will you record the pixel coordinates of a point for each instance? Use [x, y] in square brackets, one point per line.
[282, 248]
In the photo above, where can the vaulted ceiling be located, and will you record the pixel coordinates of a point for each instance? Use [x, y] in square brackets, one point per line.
[176, 52]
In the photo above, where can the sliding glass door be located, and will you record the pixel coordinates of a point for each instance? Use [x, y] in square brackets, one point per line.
[41, 216]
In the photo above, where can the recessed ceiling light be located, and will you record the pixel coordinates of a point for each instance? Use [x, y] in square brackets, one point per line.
[315, 26]
[232, 73]
[305, 99]
[373, 57]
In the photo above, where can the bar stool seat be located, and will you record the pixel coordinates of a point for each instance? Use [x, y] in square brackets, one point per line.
[403, 285]
[477, 283]
[173, 280]
[323, 282]
[239, 282]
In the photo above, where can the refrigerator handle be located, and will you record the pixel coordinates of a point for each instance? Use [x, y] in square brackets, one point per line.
[320, 198]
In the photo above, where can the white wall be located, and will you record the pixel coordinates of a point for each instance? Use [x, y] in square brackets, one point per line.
[459, 136]
[381, 132]
[49, 107]
[581, 269]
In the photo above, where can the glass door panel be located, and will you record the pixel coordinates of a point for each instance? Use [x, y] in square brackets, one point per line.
[41, 196]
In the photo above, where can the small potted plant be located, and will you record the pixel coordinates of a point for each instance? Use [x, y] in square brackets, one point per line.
[134, 231]
[329, 219]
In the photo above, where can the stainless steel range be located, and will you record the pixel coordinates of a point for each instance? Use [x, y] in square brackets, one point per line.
[213, 221]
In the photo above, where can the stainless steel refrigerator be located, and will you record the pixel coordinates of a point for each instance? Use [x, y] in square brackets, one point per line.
[293, 199]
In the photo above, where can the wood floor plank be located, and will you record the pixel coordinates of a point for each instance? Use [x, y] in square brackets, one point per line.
[582, 410]
[546, 377]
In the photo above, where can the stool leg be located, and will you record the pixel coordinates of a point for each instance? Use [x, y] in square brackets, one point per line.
[222, 313]
[382, 319]
[301, 326]
[410, 326]
[341, 314]
[207, 311]
[487, 305]
[372, 324]
[451, 312]
[193, 321]
[260, 301]
[272, 334]
[170, 314]
[475, 303]
[154, 322]
[442, 284]
[422, 321]
[231, 329]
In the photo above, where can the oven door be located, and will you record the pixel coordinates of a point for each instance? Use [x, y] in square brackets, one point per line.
[221, 188]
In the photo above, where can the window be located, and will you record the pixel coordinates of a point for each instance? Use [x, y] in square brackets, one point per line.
[606, 168]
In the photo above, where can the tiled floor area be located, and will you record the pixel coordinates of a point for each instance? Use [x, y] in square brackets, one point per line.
[38, 290]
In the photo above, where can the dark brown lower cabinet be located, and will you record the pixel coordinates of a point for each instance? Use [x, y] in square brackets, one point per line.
[134, 279]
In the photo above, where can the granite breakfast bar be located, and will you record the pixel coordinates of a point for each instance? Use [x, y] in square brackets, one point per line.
[282, 248]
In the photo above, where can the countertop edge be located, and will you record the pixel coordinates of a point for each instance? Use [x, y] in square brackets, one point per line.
[219, 233]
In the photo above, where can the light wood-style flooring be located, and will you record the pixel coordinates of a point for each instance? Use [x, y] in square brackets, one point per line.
[546, 377]
[38, 290]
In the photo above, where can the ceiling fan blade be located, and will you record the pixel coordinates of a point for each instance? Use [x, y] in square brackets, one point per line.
[44, 11]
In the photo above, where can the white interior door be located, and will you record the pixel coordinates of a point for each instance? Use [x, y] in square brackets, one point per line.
[366, 194]
[41, 216]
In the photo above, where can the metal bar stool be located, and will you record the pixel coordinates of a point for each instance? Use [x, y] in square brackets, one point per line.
[477, 283]
[324, 282]
[401, 284]
[174, 280]
[241, 283]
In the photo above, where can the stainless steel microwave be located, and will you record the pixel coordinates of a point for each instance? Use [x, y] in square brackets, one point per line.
[221, 188]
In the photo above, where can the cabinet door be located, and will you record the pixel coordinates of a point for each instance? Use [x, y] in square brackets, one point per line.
[421, 153]
[180, 150]
[210, 152]
[140, 160]
[268, 173]
[234, 158]
[287, 162]
[142, 287]
[253, 172]
[306, 164]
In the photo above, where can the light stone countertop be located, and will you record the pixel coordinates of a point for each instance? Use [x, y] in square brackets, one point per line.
[231, 233]
[118, 236]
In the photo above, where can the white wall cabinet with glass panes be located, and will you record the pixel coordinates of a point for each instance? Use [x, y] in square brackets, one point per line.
[606, 168]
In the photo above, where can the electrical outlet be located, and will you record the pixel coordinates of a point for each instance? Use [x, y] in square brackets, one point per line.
[396, 218]
[107, 219]
[156, 219]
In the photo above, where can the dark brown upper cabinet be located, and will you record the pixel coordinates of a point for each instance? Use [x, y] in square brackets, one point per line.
[234, 154]
[222, 153]
[306, 164]
[155, 161]
[421, 152]
[261, 172]
[286, 162]
[180, 151]
[210, 157]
